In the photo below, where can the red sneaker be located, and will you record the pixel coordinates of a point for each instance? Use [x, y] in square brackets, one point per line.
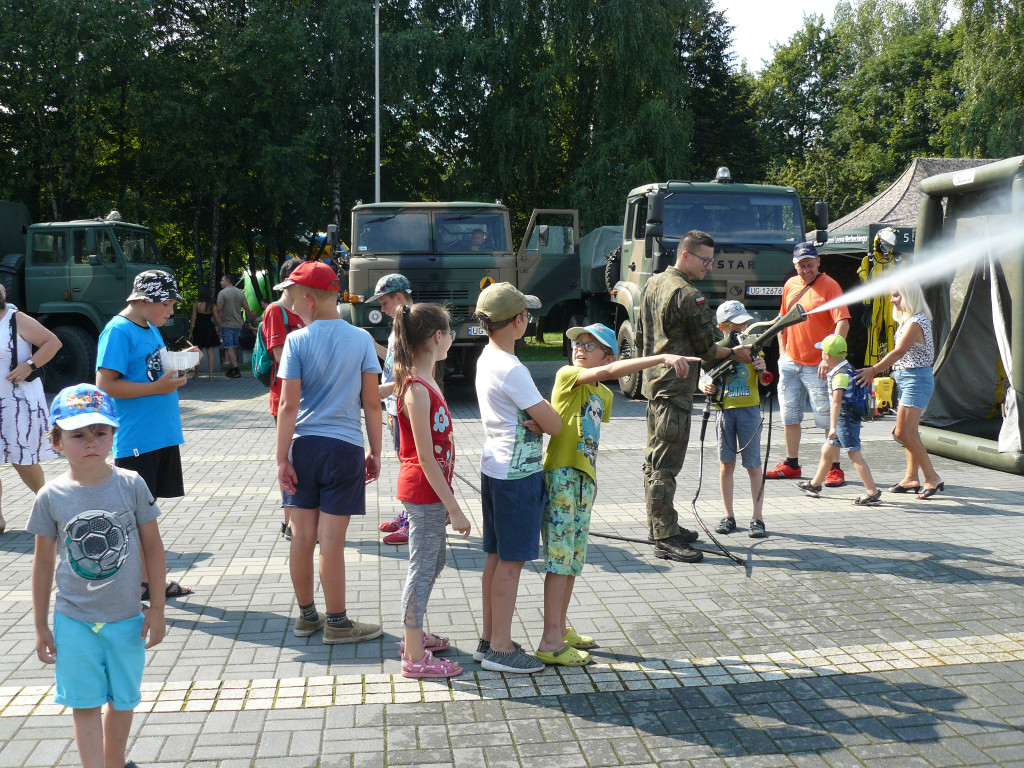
[394, 524]
[783, 471]
[401, 536]
[835, 478]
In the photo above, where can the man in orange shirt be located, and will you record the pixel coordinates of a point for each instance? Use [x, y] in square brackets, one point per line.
[802, 372]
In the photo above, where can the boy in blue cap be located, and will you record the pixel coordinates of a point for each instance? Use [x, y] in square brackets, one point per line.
[570, 473]
[99, 520]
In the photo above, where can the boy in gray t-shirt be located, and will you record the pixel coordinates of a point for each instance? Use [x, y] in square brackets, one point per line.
[97, 519]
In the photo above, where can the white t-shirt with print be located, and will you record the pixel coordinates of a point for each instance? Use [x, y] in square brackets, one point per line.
[505, 389]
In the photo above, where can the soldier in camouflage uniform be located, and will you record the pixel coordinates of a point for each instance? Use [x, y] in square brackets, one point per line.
[674, 318]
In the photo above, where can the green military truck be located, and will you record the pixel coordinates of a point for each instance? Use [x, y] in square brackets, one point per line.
[73, 277]
[450, 251]
[755, 228]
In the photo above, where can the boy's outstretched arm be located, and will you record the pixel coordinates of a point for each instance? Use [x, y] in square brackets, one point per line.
[154, 627]
[370, 395]
[43, 563]
[621, 368]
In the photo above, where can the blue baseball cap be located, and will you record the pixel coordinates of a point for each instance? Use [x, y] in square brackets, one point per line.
[393, 283]
[601, 332]
[804, 251]
[81, 405]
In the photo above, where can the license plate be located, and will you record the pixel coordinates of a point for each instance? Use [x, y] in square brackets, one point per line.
[764, 290]
[476, 330]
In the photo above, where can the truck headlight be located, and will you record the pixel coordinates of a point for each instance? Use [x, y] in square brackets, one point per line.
[375, 316]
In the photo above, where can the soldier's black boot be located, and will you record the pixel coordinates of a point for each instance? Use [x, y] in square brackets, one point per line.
[675, 548]
[687, 535]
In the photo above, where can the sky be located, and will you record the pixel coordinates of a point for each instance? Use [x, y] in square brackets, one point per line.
[761, 23]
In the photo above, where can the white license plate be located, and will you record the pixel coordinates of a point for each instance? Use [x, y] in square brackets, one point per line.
[476, 330]
[764, 290]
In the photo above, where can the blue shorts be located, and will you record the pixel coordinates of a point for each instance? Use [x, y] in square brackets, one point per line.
[97, 666]
[332, 476]
[229, 336]
[739, 429]
[847, 431]
[512, 511]
[916, 386]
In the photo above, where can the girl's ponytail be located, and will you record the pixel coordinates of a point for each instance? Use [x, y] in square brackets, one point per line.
[414, 326]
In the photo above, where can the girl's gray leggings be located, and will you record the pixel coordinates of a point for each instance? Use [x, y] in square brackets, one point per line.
[426, 559]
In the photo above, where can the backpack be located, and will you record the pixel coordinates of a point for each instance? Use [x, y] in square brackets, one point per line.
[860, 400]
[263, 358]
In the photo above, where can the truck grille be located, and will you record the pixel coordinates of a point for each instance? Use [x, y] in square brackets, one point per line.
[457, 299]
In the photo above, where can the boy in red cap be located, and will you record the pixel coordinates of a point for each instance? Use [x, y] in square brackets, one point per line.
[326, 368]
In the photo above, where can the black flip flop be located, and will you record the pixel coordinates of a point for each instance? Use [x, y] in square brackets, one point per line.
[927, 493]
[900, 488]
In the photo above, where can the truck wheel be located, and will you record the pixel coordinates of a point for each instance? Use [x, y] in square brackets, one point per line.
[628, 385]
[612, 268]
[74, 363]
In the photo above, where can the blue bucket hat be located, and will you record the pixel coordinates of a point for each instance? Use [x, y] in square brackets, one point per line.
[601, 332]
[393, 283]
[81, 405]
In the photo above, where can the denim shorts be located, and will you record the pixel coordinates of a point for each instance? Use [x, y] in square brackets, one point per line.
[99, 663]
[230, 337]
[799, 385]
[512, 511]
[916, 386]
[740, 429]
[847, 431]
[332, 476]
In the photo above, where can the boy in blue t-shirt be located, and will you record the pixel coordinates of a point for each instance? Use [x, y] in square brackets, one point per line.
[570, 474]
[328, 374]
[129, 369]
[94, 523]
[844, 429]
[739, 424]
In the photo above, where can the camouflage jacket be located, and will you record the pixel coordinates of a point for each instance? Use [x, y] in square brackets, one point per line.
[674, 318]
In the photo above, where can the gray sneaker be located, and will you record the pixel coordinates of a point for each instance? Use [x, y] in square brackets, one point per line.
[484, 647]
[516, 661]
[354, 634]
[305, 627]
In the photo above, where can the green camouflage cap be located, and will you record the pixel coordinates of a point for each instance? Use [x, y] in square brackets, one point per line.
[502, 301]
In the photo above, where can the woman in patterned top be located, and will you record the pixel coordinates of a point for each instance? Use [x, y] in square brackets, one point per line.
[911, 361]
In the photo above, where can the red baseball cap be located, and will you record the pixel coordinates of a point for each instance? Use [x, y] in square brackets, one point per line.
[312, 274]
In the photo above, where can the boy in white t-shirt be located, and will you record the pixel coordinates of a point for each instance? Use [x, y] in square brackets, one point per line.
[514, 417]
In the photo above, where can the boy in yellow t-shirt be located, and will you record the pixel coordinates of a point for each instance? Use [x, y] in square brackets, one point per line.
[570, 473]
[739, 424]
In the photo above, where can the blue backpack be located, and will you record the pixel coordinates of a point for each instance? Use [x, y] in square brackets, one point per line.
[263, 358]
[858, 397]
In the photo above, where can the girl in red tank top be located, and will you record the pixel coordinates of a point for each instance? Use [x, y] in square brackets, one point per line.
[427, 452]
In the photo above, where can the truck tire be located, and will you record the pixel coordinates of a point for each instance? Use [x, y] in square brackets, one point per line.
[630, 386]
[613, 268]
[74, 363]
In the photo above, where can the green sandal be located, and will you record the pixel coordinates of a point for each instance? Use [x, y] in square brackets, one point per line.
[567, 656]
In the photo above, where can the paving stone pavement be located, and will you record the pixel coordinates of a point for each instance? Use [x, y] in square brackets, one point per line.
[880, 636]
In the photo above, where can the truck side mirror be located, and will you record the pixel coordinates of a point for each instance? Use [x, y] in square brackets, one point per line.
[655, 214]
[821, 215]
[93, 259]
[543, 235]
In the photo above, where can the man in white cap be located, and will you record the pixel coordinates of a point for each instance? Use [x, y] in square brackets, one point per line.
[801, 367]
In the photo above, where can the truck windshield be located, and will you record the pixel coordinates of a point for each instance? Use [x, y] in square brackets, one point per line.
[735, 218]
[396, 232]
[138, 245]
[471, 232]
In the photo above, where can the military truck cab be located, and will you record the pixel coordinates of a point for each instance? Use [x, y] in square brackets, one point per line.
[755, 229]
[73, 277]
[450, 251]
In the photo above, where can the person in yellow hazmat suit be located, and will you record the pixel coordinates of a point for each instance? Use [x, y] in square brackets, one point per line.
[878, 318]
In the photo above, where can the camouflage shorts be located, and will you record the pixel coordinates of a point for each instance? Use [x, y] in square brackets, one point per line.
[570, 497]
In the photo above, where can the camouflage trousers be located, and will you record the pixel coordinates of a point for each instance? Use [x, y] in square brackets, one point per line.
[668, 431]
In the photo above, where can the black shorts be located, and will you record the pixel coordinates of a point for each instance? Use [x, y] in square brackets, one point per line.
[161, 469]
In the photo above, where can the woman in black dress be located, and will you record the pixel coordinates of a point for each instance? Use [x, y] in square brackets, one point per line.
[205, 329]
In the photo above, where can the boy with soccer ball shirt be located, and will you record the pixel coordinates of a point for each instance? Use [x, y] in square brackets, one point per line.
[98, 520]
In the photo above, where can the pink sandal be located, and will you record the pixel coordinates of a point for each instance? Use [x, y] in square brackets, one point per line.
[431, 642]
[429, 666]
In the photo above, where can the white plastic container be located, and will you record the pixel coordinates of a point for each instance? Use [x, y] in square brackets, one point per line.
[181, 361]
